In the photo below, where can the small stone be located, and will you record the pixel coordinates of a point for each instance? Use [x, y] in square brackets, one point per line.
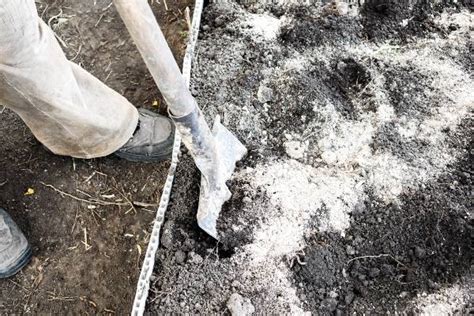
[210, 287]
[359, 208]
[180, 256]
[264, 94]
[247, 200]
[341, 65]
[167, 236]
[239, 305]
[350, 250]
[219, 20]
[195, 258]
[420, 253]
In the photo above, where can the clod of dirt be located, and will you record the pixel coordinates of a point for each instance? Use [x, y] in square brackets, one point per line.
[180, 257]
[195, 258]
[239, 305]
[264, 94]
[167, 235]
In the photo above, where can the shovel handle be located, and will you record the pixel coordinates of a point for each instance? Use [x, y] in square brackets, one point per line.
[146, 33]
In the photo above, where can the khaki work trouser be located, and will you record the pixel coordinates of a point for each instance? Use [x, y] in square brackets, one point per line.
[68, 110]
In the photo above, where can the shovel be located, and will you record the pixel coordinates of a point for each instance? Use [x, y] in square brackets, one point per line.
[215, 152]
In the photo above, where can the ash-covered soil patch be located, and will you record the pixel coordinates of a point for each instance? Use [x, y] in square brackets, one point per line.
[395, 251]
[354, 196]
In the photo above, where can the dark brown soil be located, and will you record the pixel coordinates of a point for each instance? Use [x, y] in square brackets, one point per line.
[87, 255]
[399, 21]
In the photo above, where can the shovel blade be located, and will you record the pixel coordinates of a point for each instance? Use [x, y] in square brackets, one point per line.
[214, 191]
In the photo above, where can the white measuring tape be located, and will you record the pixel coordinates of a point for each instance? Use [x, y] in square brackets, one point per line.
[143, 285]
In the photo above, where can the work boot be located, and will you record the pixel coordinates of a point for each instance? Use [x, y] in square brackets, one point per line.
[15, 252]
[152, 141]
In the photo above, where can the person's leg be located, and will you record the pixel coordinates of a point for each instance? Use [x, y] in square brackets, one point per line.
[15, 252]
[68, 110]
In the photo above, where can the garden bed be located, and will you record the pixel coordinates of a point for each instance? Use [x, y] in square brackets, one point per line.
[355, 194]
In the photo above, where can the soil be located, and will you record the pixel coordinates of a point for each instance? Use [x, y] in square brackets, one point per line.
[356, 194]
[87, 255]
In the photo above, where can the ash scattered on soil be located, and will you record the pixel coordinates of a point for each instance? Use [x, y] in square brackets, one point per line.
[355, 194]
[395, 251]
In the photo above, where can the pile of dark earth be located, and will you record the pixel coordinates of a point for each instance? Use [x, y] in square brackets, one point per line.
[391, 253]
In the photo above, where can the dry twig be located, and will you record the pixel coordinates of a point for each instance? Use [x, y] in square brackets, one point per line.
[92, 200]
[377, 256]
[187, 16]
[86, 244]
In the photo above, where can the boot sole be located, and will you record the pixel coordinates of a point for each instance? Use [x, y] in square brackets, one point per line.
[144, 158]
[24, 259]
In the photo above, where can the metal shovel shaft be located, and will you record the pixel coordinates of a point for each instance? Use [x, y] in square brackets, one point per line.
[215, 152]
[146, 33]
